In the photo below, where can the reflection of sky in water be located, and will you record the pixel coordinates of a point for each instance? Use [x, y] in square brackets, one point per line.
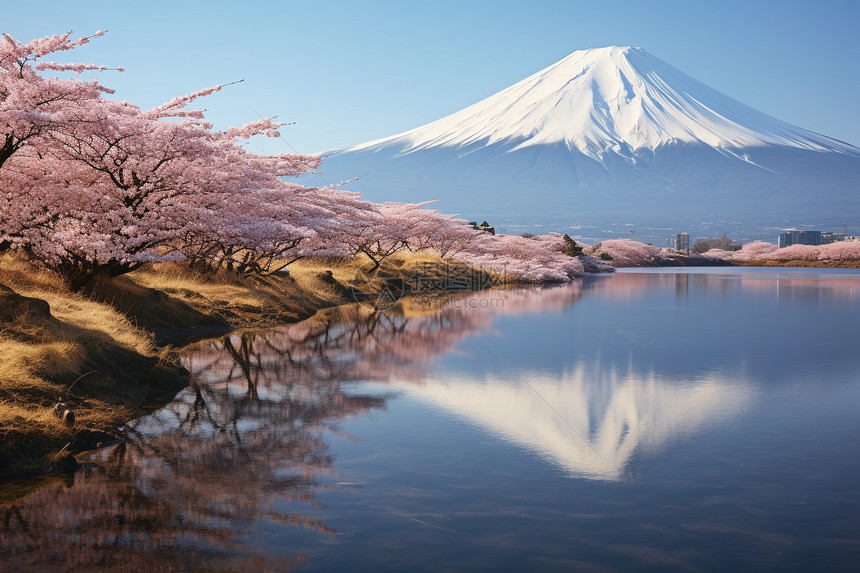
[683, 323]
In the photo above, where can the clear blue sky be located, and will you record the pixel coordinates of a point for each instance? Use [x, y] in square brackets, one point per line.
[348, 72]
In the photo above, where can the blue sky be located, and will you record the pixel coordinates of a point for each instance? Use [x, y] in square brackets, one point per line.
[348, 72]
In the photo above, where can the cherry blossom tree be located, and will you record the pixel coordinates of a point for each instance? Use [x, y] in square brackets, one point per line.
[749, 252]
[273, 228]
[386, 230]
[538, 259]
[140, 183]
[108, 185]
[441, 234]
[759, 250]
[30, 104]
[840, 251]
[629, 253]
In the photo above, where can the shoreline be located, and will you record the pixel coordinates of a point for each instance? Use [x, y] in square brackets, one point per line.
[110, 355]
[698, 261]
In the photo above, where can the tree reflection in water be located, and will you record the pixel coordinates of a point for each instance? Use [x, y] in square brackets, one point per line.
[242, 445]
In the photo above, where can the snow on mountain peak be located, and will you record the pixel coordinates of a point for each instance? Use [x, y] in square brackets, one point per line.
[615, 99]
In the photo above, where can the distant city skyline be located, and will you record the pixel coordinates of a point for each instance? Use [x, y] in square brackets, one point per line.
[349, 72]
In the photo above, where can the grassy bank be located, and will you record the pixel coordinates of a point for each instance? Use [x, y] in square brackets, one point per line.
[109, 354]
[59, 347]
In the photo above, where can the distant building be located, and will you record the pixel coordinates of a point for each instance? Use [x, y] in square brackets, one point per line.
[827, 238]
[703, 245]
[812, 238]
[682, 242]
[799, 238]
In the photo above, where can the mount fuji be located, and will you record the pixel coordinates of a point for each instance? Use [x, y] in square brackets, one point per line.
[613, 140]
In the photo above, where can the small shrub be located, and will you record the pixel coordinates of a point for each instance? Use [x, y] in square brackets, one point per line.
[571, 248]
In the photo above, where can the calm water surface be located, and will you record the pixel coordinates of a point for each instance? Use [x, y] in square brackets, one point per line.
[673, 420]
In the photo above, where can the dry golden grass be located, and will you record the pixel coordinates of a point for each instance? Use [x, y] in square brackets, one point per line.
[307, 271]
[72, 309]
[12, 415]
[64, 355]
[241, 302]
[197, 288]
[98, 318]
[21, 360]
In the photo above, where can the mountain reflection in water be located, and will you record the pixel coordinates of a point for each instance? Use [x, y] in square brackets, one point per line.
[591, 420]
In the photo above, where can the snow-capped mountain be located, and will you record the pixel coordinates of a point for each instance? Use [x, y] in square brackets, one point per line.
[612, 139]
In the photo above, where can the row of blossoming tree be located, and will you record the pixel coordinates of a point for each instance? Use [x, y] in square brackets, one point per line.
[629, 253]
[761, 251]
[91, 186]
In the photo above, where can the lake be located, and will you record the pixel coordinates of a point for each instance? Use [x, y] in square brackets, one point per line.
[665, 419]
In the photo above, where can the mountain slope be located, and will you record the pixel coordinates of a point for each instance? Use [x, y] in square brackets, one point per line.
[614, 137]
